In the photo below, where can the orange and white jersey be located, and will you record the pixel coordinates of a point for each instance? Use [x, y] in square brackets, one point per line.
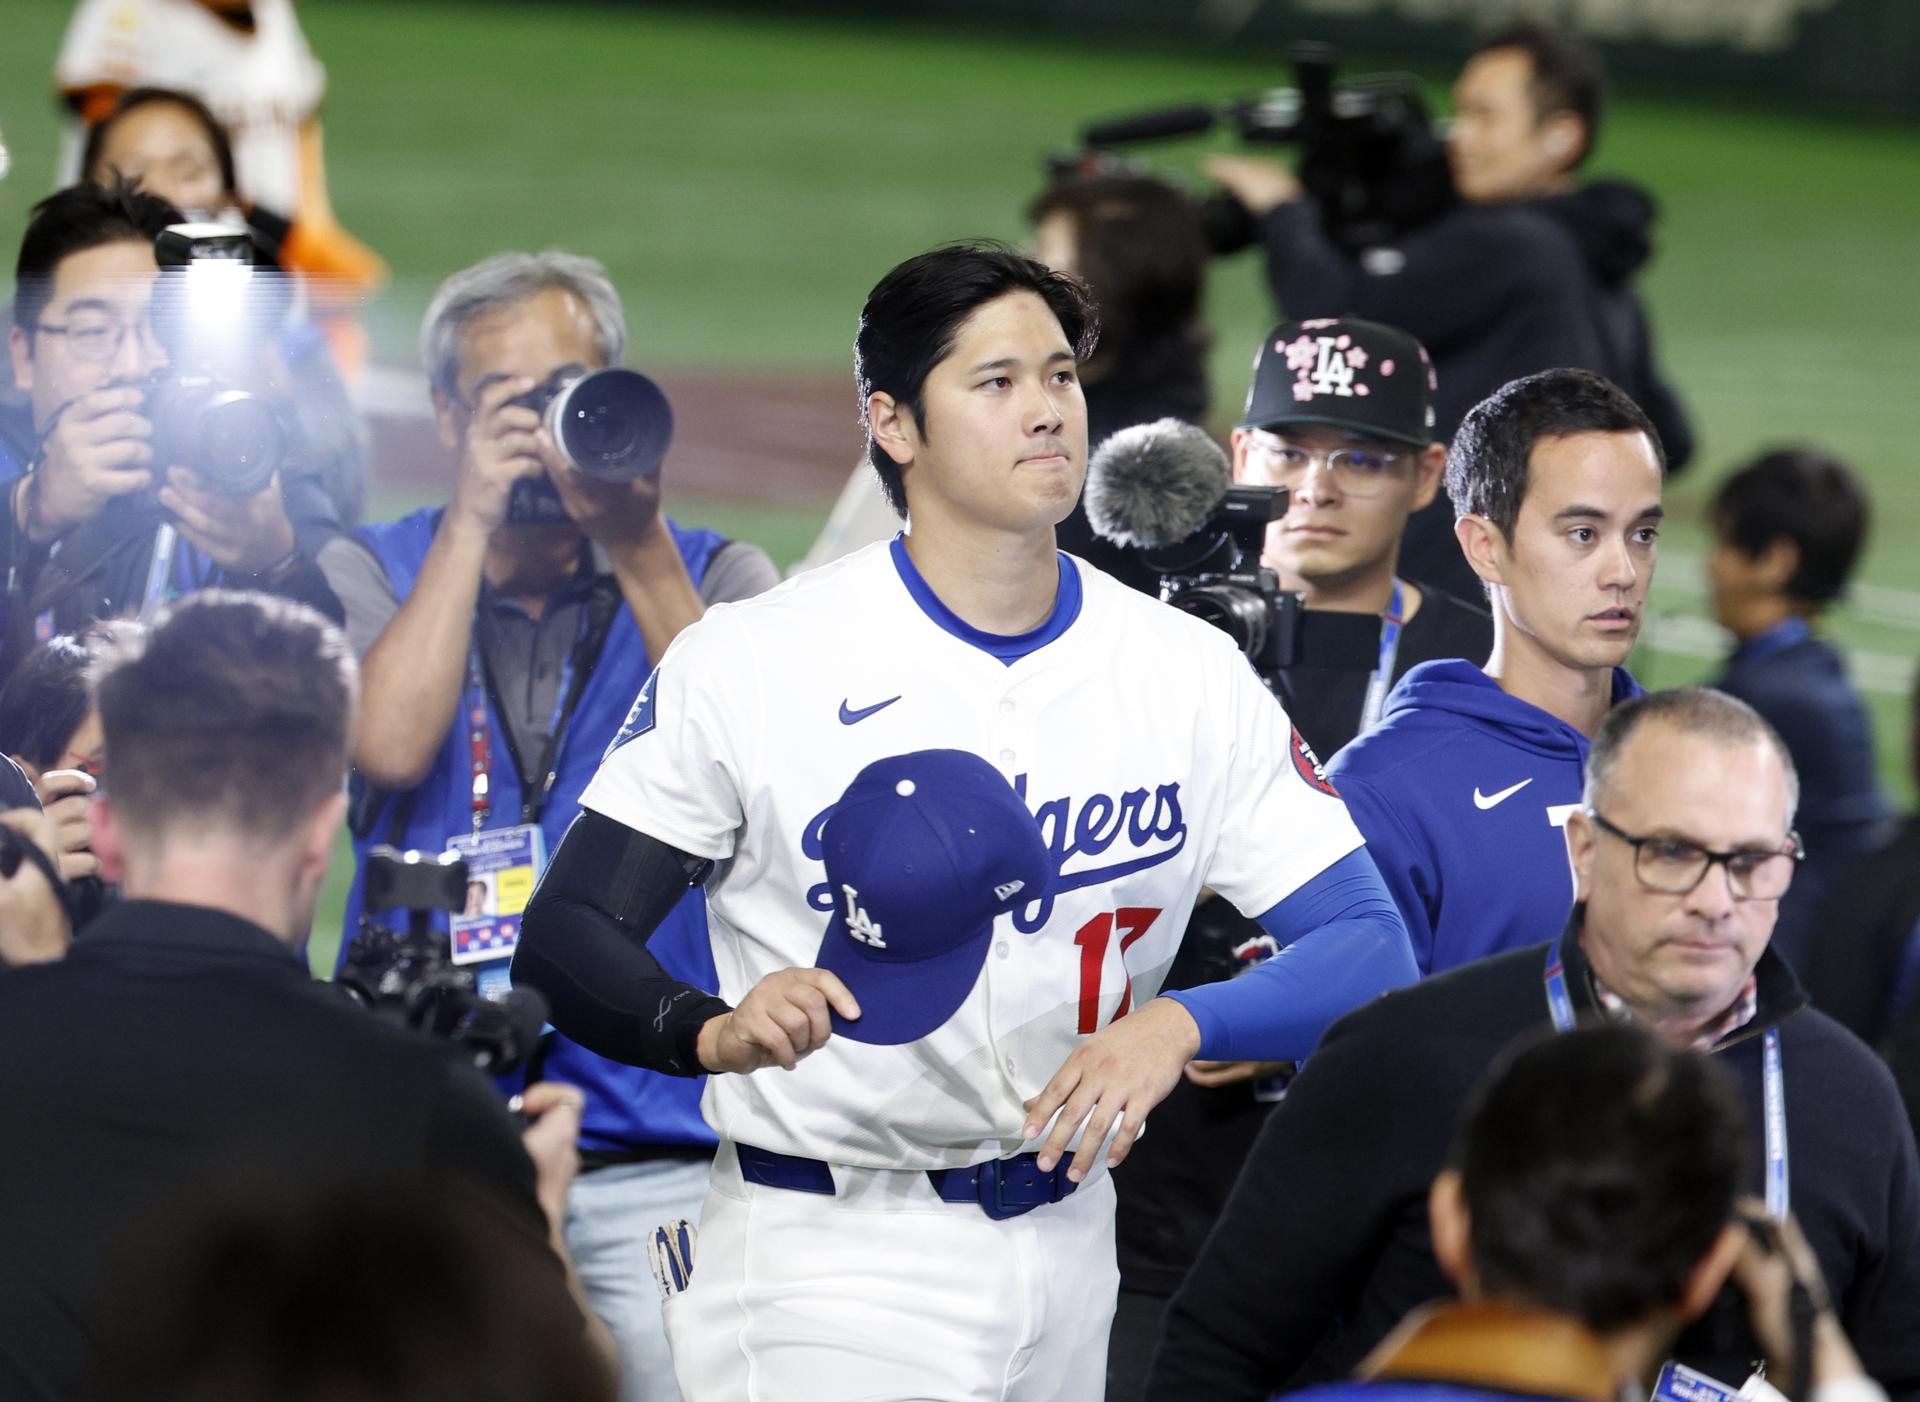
[262, 81]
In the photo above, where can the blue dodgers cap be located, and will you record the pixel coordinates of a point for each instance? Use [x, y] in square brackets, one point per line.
[922, 851]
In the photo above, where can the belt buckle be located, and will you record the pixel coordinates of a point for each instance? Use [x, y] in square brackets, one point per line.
[990, 1186]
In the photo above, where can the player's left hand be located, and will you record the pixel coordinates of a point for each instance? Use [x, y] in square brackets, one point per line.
[1118, 1074]
[612, 513]
[248, 535]
[1212, 1074]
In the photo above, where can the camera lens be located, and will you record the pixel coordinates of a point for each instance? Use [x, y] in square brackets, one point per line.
[238, 442]
[612, 424]
[1239, 613]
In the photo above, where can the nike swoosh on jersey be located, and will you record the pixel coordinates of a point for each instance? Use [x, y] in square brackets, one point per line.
[849, 716]
[1484, 801]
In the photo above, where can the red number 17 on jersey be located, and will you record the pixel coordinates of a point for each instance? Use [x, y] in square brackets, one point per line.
[1093, 938]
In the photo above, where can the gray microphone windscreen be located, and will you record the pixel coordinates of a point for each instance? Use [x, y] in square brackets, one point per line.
[1155, 484]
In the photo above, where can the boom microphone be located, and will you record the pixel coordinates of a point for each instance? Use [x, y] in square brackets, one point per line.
[1153, 485]
[1152, 126]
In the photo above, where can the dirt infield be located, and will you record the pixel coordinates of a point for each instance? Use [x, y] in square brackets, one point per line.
[772, 438]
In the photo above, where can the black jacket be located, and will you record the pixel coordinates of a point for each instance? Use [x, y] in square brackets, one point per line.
[1803, 691]
[1493, 292]
[177, 1045]
[1324, 1246]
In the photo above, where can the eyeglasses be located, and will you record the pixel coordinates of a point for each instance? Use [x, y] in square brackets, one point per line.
[1361, 472]
[91, 336]
[1675, 866]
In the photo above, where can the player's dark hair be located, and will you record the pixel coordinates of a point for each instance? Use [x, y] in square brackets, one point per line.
[233, 709]
[1487, 461]
[306, 1293]
[1568, 75]
[71, 221]
[1804, 496]
[914, 314]
[46, 698]
[1598, 1167]
[1140, 250]
[146, 97]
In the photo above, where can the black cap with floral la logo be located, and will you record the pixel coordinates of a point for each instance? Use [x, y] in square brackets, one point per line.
[1341, 372]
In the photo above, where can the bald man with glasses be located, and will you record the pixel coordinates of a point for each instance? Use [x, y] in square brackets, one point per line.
[1681, 848]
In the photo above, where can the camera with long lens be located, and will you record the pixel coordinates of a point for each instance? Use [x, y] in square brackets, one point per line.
[208, 314]
[408, 976]
[1371, 156]
[613, 424]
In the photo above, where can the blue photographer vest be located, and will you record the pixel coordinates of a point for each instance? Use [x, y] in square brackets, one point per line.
[626, 1106]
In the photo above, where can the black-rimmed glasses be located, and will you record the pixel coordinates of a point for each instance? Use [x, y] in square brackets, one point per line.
[1674, 866]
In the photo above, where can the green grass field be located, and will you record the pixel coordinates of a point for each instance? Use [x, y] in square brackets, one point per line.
[747, 179]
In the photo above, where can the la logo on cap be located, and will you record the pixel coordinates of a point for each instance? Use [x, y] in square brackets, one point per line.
[859, 925]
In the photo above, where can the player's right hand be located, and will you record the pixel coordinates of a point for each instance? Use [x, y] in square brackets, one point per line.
[503, 443]
[98, 448]
[782, 1018]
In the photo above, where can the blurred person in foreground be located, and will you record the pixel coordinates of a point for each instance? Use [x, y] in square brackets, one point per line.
[184, 1035]
[1557, 480]
[1587, 1214]
[1788, 529]
[1532, 270]
[389, 1292]
[500, 657]
[172, 146]
[96, 527]
[1681, 847]
[1137, 243]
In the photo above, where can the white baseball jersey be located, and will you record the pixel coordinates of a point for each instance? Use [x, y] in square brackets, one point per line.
[1153, 758]
[262, 84]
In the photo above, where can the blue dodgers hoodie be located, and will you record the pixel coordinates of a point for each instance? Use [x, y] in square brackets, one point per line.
[1461, 792]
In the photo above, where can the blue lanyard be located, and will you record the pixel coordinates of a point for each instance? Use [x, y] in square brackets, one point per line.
[480, 734]
[1772, 1081]
[166, 541]
[1382, 680]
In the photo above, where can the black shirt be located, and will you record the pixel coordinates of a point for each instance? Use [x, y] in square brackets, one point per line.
[1324, 1246]
[1325, 702]
[176, 1045]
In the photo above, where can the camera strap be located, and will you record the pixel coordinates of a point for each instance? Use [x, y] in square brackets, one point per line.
[1382, 680]
[596, 621]
[1773, 1084]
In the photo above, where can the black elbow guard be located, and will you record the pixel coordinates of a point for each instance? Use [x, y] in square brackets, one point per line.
[583, 944]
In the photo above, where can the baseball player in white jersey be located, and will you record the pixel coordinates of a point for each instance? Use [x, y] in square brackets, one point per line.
[952, 799]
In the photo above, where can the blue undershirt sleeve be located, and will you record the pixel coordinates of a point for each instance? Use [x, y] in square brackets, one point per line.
[1342, 944]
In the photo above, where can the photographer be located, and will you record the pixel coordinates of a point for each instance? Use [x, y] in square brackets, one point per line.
[504, 638]
[1682, 846]
[185, 1035]
[1586, 1215]
[96, 527]
[174, 147]
[1529, 272]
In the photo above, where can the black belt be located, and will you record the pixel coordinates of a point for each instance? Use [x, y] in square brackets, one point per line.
[593, 1159]
[1001, 1188]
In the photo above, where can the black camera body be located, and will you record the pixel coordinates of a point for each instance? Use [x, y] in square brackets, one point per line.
[408, 976]
[613, 424]
[1371, 157]
[1215, 574]
[211, 314]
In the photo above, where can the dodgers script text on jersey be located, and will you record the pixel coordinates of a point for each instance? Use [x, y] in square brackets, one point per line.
[1152, 757]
